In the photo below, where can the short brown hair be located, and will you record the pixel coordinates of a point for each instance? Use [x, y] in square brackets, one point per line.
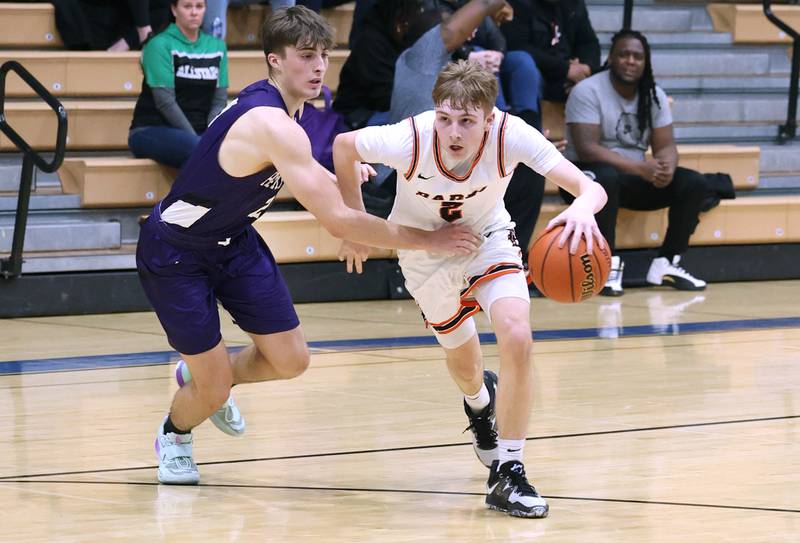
[465, 84]
[296, 26]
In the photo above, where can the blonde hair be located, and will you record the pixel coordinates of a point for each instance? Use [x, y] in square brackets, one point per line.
[466, 85]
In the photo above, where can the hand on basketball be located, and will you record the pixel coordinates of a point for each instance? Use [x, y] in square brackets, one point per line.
[578, 222]
[453, 239]
[355, 254]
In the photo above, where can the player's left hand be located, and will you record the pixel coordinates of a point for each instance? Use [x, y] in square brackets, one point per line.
[577, 222]
[355, 254]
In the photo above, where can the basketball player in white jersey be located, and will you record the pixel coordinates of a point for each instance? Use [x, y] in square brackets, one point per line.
[453, 165]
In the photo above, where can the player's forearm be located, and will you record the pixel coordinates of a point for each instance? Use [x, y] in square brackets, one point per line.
[592, 196]
[347, 164]
[588, 194]
[368, 230]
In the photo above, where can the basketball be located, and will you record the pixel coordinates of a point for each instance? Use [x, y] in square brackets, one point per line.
[565, 277]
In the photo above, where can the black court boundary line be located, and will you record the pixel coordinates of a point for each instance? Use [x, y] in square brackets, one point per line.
[409, 448]
[417, 491]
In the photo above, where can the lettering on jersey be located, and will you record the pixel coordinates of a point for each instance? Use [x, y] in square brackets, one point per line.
[255, 215]
[205, 73]
[273, 182]
[450, 197]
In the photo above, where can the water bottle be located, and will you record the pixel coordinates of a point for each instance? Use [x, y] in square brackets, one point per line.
[216, 28]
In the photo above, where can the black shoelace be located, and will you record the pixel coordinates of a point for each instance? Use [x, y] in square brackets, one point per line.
[484, 434]
[516, 473]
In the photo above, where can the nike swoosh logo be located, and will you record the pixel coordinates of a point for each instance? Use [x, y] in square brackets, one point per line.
[423, 177]
[491, 488]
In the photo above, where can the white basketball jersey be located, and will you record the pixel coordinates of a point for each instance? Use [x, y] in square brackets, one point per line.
[429, 195]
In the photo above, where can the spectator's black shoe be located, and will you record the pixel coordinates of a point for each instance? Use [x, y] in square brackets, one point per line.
[509, 491]
[484, 425]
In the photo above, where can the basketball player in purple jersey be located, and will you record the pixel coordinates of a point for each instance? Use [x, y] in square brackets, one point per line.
[198, 246]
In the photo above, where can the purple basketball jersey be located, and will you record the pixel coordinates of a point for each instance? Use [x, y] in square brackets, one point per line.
[207, 203]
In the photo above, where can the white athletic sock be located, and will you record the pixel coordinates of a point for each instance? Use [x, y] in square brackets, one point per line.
[510, 449]
[479, 400]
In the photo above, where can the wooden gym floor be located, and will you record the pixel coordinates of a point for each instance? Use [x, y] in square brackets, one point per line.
[660, 416]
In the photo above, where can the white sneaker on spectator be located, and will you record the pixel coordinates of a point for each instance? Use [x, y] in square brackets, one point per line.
[662, 271]
[613, 286]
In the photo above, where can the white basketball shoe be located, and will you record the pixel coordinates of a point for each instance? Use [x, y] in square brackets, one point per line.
[227, 418]
[175, 463]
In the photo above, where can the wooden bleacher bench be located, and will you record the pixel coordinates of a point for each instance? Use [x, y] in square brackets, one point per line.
[746, 220]
[99, 73]
[748, 24]
[93, 124]
[32, 25]
[244, 24]
[297, 236]
[122, 181]
[116, 181]
[28, 25]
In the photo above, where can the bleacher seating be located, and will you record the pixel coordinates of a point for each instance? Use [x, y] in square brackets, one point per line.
[99, 91]
[748, 24]
[98, 73]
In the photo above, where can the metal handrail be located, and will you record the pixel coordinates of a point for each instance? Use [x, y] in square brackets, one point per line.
[12, 266]
[788, 131]
[627, 15]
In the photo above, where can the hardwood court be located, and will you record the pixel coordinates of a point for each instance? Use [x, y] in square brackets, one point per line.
[686, 433]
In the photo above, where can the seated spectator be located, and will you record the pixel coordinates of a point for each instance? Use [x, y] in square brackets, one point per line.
[184, 87]
[365, 84]
[613, 117]
[215, 21]
[113, 25]
[559, 37]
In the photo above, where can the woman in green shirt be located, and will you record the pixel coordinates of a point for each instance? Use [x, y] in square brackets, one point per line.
[185, 86]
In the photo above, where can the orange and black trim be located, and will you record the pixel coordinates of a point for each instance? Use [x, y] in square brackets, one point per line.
[501, 139]
[440, 163]
[415, 158]
[495, 270]
[468, 308]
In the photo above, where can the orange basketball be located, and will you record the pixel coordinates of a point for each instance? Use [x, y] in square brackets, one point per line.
[566, 277]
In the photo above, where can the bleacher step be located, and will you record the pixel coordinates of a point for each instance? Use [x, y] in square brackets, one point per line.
[651, 18]
[123, 258]
[41, 201]
[742, 108]
[47, 234]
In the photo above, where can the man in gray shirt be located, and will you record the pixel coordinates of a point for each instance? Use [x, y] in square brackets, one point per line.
[613, 117]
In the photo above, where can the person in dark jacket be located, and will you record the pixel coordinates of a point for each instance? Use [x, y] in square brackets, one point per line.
[559, 37]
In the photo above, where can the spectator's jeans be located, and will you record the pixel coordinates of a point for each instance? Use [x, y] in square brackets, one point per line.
[684, 197]
[164, 144]
[520, 83]
[217, 9]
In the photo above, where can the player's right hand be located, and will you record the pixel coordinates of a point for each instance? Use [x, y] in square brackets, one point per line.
[453, 239]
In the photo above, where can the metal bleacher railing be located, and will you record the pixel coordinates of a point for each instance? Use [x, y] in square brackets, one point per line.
[788, 131]
[12, 266]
